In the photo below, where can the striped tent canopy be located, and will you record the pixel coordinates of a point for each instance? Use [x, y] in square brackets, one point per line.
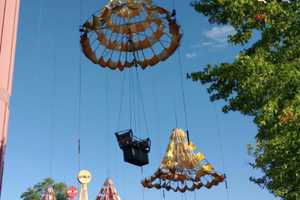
[49, 194]
[181, 169]
[127, 33]
[108, 191]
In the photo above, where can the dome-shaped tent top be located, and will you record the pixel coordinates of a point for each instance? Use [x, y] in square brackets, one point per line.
[108, 191]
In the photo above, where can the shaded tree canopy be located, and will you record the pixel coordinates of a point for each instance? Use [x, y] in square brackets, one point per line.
[263, 82]
[36, 192]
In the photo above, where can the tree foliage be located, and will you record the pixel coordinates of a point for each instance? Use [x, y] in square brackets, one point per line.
[36, 192]
[263, 82]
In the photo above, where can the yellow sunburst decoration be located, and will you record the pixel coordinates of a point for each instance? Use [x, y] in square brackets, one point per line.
[181, 169]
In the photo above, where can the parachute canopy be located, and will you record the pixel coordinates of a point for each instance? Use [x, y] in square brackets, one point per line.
[181, 169]
[128, 33]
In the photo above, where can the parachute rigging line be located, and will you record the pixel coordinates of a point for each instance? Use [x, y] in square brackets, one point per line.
[136, 103]
[122, 94]
[130, 98]
[140, 93]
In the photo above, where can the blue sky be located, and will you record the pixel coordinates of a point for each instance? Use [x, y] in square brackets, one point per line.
[44, 122]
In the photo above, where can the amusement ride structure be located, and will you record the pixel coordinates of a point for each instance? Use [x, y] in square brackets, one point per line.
[123, 35]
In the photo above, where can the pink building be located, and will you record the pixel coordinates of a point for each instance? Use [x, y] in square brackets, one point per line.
[9, 12]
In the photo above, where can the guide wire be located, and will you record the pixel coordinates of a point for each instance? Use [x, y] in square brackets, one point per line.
[140, 94]
[52, 114]
[220, 138]
[181, 75]
[79, 95]
[107, 125]
[182, 90]
[122, 95]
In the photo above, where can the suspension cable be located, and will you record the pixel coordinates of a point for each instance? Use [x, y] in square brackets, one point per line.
[107, 125]
[40, 26]
[182, 89]
[121, 102]
[53, 92]
[130, 92]
[182, 84]
[173, 4]
[52, 114]
[175, 114]
[79, 94]
[140, 93]
[157, 118]
[222, 151]
[134, 102]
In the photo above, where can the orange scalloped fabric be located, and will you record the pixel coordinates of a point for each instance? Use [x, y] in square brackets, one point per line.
[130, 33]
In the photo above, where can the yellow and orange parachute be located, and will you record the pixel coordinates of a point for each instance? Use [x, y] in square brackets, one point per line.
[129, 33]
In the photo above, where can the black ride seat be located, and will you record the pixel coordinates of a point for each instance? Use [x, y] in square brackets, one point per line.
[135, 150]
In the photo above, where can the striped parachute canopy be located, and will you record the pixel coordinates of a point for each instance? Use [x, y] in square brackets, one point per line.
[127, 33]
[181, 169]
[108, 191]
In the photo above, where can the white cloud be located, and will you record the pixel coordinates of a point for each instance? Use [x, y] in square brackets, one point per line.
[202, 44]
[219, 33]
[215, 37]
[191, 55]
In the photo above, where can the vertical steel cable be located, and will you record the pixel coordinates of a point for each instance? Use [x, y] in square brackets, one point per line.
[182, 89]
[52, 113]
[107, 118]
[140, 93]
[175, 115]
[157, 117]
[79, 94]
[121, 102]
[222, 151]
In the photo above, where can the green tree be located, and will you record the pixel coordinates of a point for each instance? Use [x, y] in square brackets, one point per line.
[263, 82]
[36, 192]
